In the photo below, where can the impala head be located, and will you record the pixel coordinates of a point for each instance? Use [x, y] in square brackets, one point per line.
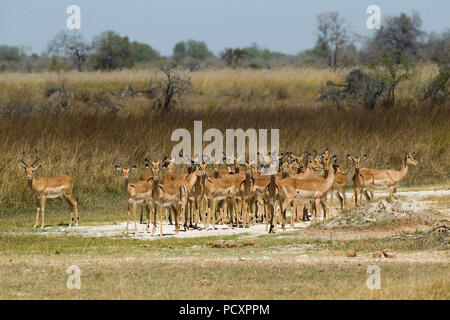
[126, 171]
[325, 154]
[357, 161]
[202, 168]
[156, 167]
[30, 170]
[410, 160]
[249, 167]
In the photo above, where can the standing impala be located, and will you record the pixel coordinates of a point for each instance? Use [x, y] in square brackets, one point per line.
[49, 188]
[360, 179]
[390, 178]
[136, 193]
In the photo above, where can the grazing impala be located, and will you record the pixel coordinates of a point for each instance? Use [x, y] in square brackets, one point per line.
[390, 178]
[48, 188]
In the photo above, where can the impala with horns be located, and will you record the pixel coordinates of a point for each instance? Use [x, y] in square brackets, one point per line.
[48, 188]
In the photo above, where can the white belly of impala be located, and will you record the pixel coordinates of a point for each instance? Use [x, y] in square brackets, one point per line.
[55, 192]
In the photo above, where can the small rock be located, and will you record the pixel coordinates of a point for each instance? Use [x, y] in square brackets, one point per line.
[205, 282]
[377, 254]
[388, 253]
[351, 253]
[337, 253]
[57, 252]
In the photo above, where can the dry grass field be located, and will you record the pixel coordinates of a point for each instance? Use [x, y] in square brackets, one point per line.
[87, 132]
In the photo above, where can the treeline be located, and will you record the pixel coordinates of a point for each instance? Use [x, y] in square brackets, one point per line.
[401, 38]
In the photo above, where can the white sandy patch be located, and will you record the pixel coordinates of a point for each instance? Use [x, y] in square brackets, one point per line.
[118, 230]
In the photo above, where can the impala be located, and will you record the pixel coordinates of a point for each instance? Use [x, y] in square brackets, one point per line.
[171, 194]
[136, 193]
[307, 189]
[360, 179]
[390, 178]
[48, 188]
[246, 193]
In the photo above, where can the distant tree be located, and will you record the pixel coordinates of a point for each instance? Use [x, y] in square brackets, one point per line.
[70, 45]
[179, 51]
[142, 52]
[392, 72]
[400, 35]
[197, 49]
[55, 64]
[437, 48]
[112, 51]
[8, 53]
[233, 56]
[332, 35]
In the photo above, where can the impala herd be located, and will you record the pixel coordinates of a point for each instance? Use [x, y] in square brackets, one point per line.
[241, 195]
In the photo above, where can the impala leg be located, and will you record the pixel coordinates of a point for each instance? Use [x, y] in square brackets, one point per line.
[330, 208]
[142, 210]
[344, 194]
[199, 205]
[74, 205]
[147, 208]
[134, 216]
[212, 213]
[161, 220]
[154, 220]
[177, 226]
[71, 210]
[38, 208]
[44, 199]
[128, 217]
[294, 214]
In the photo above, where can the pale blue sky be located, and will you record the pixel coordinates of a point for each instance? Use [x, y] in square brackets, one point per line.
[283, 25]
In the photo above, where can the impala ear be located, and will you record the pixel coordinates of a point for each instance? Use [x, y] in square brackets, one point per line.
[364, 157]
[133, 168]
[118, 168]
[350, 157]
[37, 168]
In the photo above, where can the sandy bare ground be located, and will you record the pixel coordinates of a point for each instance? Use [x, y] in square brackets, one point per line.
[414, 204]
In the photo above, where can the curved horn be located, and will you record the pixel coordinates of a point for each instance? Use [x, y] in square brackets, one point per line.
[37, 158]
[22, 159]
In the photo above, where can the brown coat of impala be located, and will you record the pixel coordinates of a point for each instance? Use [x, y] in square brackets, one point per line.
[360, 180]
[48, 188]
[390, 178]
[136, 193]
[307, 189]
[172, 193]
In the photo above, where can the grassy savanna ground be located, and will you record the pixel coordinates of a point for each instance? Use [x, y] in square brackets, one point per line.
[97, 130]
[307, 263]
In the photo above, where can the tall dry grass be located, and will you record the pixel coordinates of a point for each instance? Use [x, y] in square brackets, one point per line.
[95, 130]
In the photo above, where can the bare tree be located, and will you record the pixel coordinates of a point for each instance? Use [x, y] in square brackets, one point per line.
[232, 56]
[70, 45]
[172, 89]
[332, 35]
